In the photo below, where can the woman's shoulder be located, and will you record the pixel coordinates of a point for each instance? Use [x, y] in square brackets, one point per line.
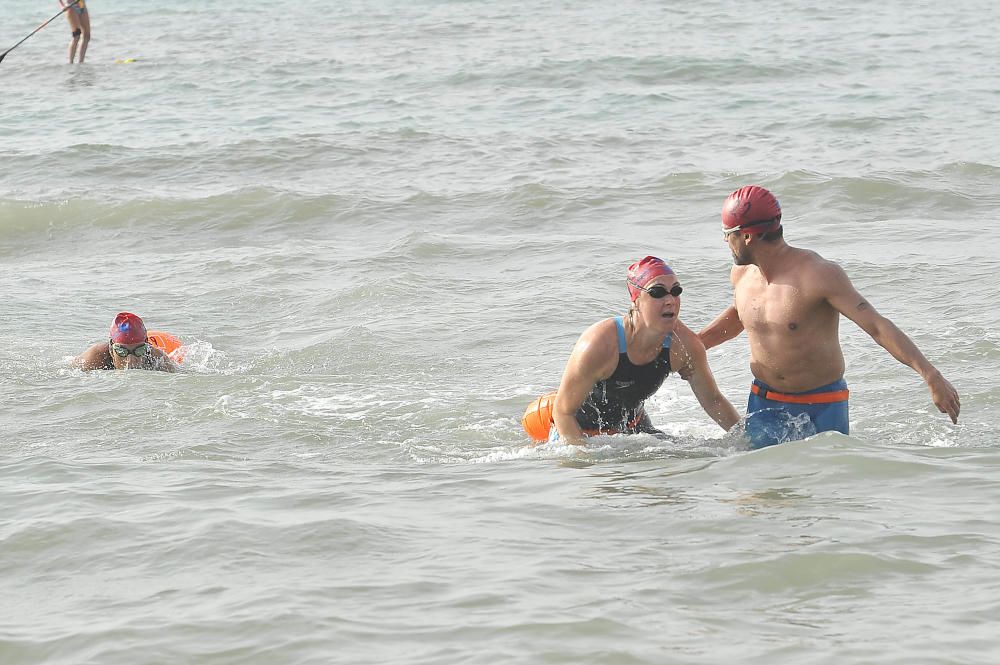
[606, 327]
[686, 344]
[602, 335]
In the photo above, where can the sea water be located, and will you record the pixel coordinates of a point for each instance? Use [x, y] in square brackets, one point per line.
[380, 227]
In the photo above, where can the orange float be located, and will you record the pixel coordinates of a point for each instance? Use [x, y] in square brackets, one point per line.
[169, 344]
[537, 419]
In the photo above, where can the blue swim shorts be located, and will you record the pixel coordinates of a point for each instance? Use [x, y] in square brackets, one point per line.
[776, 417]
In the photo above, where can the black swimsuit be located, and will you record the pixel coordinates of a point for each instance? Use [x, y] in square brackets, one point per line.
[615, 405]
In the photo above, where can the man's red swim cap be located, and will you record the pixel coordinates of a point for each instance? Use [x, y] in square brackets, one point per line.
[643, 271]
[128, 329]
[748, 205]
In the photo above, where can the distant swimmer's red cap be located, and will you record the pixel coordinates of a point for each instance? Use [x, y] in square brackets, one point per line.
[751, 209]
[641, 272]
[128, 329]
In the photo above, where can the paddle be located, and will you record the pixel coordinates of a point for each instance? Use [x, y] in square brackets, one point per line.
[4, 54]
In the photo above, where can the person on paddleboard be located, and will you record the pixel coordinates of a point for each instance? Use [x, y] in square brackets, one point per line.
[619, 362]
[128, 347]
[79, 25]
[789, 301]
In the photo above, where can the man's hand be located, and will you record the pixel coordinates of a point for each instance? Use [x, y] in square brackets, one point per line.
[944, 395]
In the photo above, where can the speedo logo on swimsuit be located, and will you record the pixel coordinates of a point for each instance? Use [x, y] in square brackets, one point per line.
[624, 384]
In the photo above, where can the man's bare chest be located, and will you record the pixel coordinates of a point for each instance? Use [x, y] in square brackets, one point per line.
[777, 307]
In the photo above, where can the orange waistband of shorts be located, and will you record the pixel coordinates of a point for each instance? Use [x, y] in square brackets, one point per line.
[806, 398]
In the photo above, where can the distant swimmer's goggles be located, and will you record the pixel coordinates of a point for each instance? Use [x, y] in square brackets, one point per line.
[659, 291]
[736, 229]
[122, 351]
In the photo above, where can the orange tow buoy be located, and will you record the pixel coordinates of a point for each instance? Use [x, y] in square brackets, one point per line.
[537, 419]
[167, 343]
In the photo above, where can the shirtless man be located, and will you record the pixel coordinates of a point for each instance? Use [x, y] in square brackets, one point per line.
[789, 300]
[127, 348]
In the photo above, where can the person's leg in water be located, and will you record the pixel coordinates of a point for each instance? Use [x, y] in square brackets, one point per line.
[84, 17]
[76, 29]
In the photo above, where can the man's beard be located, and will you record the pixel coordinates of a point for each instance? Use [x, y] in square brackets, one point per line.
[744, 258]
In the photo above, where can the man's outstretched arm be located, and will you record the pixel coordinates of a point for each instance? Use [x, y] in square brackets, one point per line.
[846, 299]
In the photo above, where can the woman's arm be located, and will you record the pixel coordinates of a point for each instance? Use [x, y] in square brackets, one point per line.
[694, 367]
[594, 358]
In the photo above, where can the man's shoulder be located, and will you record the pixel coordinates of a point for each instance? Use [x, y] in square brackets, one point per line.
[738, 272]
[824, 267]
[804, 255]
[817, 276]
[807, 260]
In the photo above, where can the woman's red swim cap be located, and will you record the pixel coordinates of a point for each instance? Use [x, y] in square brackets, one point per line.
[644, 270]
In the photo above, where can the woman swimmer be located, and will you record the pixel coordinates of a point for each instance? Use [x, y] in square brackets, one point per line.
[79, 24]
[618, 362]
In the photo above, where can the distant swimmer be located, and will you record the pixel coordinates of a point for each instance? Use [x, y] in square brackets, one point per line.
[129, 347]
[619, 362]
[79, 24]
[789, 301]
